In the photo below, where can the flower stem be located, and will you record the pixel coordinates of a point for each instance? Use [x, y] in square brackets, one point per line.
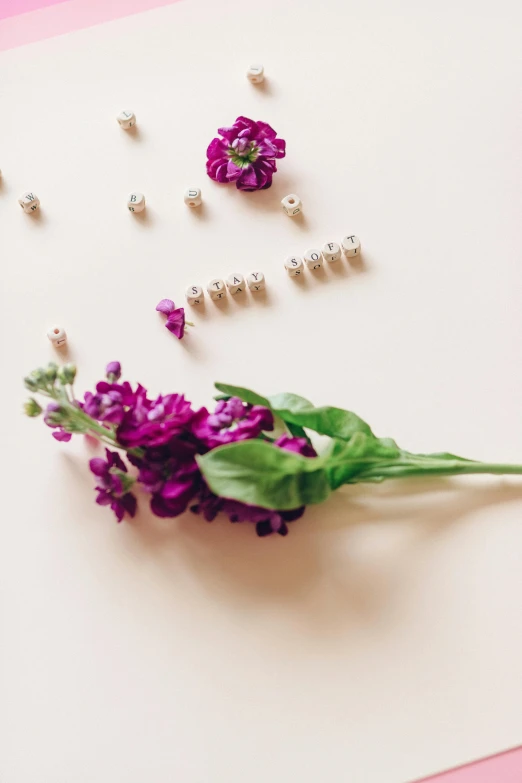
[424, 466]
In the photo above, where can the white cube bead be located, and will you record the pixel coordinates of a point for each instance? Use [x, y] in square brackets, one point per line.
[57, 336]
[331, 252]
[126, 119]
[29, 202]
[313, 258]
[294, 266]
[136, 202]
[192, 197]
[236, 283]
[351, 245]
[194, 295]
[256, 281]
[292, 204]
[216, 288]
[256, 74]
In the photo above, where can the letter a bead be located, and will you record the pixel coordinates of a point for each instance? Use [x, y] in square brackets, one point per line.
[29, 202]
[256, 281]
[194, 295]
[313, 258]
[292, 204]
[57, 336]
[216, 289]
[192, 197]
[126, 119]
[294, 266]
[136, 202]
[331, 252]
[351, 246]
[235, 283]
[256, 74]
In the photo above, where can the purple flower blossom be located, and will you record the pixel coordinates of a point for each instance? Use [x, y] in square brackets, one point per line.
[113, 485]
[231, 421]
[297, 445]
[175, 317]
[154, 422]
[106, 406]
[246, 154]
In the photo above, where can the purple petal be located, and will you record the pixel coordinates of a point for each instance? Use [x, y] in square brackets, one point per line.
[216, 149]
[174, 489]
[176, 322]
[103, 499]
[247, 180]
[62, 436]
[98, 466]
[264, 130]
[166, 306]
[115, 461]
[233, 171]
[130, 503]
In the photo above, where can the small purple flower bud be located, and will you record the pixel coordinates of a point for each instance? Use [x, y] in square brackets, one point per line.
[113, 371]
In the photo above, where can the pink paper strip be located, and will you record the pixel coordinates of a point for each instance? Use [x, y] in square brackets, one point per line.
[504, 768]
[16, 7]
[65, 16]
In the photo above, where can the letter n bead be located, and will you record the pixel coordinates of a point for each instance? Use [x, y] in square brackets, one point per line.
[256, 281]
[236, 283]
[216, 288]
[194, 295]
[294, 266]
[313, 258]
[351, 246]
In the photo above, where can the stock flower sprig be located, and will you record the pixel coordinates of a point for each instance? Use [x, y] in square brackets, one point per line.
[228, 460]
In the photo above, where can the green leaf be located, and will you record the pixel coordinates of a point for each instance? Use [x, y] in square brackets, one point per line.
[346, 460]
[335, 422]
[257, 473]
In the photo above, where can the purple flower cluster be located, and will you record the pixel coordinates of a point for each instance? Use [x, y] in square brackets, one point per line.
[163, 437]
[245, 154]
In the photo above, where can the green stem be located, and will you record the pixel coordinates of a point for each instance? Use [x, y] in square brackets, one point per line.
[425, 467]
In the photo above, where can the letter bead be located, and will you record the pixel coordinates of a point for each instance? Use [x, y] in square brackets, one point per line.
[235, 283]
[294, 266]
[126, 119]
[292, 204]
[256, 74]
[331, 252]
[256, 281]
[313, 258]
[136, 202]
[216, 289]
[57, 336]
[194, 295]
[29, 202]
[351, 245]
[192, 197]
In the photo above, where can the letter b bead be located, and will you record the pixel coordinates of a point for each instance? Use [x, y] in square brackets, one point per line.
[136, 202]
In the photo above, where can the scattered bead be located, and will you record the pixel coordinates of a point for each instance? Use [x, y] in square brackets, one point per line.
[126, 119]
[216, 288]
[256, 74]
[235, 283]
[313, 259]
[351, 245]
[57, 336]
[291, 204]
[136, 202]
[294, 265]
[29, 202]
[331, 252]
[194, 295]
[192, 197]
[256, 281]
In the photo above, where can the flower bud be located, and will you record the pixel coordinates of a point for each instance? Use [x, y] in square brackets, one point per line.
[32, 408]
[67, 373]
[113, 371]
[31, 383]
[55, 414]
[51, 371]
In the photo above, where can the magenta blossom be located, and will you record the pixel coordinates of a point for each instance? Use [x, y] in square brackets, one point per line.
[113, 484]
[176, 321]
[154, 422]
[231, 421]
[246, 154]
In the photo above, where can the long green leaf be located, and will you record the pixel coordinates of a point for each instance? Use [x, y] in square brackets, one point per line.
[257, 473]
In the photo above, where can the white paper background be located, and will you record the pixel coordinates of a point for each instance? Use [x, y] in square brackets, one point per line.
[382, 639]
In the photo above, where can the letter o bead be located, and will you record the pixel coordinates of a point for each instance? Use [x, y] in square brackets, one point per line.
[136, 202]
[331, 252]
[313, 258]
[29, 202]
[294, 266]
[126, 119]
[235, 283]
[216, 288]
[256, 74]
[194, 295]
[192, 197]
[351, 246]
[256, 281]
[57, 336]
